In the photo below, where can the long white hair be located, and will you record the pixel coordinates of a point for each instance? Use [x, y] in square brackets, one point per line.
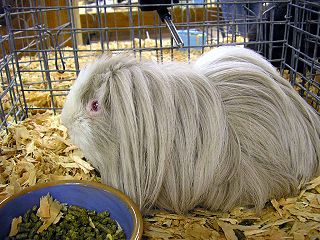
[225, 131]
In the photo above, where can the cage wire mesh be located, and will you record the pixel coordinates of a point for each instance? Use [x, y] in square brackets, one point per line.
[44, 44]
[301, 52]
[11, 104]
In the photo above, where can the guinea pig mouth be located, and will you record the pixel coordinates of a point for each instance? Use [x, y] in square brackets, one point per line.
[75, 128]
[73, 136]
[69, 122]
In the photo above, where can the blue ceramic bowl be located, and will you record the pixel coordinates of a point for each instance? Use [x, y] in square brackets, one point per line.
[89, 195]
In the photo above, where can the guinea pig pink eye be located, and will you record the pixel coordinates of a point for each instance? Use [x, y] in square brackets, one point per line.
[94, 106]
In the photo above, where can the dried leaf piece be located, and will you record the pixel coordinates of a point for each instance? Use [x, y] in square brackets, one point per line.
[14, 226]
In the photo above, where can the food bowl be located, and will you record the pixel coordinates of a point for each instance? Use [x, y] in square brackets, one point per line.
[89, 195]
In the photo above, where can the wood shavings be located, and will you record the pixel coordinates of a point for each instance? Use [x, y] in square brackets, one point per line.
[275, 204]
[34, 151]
[44, 209]
[14, 226]
[254, 232]
[59, 216]
[228, 230]
[298, 236]
[314, 183]
[244, 223]
[49, 212]
[77, 158]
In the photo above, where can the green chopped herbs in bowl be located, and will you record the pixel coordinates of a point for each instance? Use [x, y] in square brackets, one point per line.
[53, 220]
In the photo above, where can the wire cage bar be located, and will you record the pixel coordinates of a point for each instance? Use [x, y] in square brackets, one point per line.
[301, 52]
[44, 44]
[12, 104]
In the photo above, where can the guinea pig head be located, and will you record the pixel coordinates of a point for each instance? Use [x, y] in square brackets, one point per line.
[87, 112]
[118, 113]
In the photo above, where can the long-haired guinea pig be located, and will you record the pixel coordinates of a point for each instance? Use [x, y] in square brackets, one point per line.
[227, 130]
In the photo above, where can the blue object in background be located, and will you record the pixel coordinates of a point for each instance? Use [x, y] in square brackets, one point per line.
[197, 38]
[84, 196]
[198, 1]
[238, 16]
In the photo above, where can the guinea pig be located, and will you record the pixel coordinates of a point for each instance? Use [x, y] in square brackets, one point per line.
[224, 131]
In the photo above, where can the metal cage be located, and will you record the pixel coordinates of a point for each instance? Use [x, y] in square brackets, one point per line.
[44, 44]
[302, 49]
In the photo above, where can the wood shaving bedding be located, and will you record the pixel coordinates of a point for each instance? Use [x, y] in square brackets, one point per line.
[38, 149]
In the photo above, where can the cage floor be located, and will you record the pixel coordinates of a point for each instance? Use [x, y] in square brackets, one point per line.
[38, 149]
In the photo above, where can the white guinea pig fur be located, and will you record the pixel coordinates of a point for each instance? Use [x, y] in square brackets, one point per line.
[225, 131]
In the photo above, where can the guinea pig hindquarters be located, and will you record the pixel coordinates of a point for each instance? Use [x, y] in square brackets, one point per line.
[223, 132]
[273, 134]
